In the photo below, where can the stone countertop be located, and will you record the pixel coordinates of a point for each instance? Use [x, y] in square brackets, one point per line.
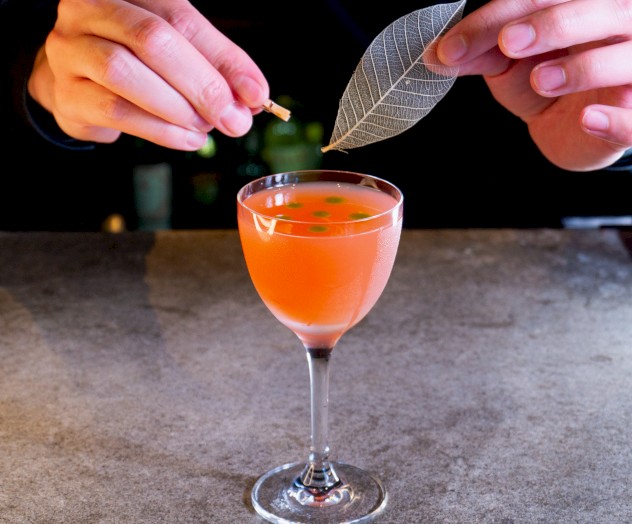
[142, 380]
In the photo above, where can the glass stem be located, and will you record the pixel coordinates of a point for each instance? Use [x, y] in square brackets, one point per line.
[319, 477]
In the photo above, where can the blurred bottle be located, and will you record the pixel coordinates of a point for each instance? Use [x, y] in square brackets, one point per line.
[152, 182]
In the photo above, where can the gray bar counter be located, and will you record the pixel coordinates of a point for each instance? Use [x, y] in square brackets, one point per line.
[142, 380]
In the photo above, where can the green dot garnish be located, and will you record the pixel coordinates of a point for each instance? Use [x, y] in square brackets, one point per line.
[334, 200]
[358, 216]
[318, 229]
[294, 205]
[283, 217]
[321, 214]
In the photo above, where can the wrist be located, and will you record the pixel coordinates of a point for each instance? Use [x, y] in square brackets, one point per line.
[37, 98]
[46, 126]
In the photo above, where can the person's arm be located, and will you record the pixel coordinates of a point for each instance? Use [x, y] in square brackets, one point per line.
[24, 25]
[154, 69]
[564, 69]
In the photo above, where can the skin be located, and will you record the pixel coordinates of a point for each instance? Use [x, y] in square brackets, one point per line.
[158, 70]
[562, 66]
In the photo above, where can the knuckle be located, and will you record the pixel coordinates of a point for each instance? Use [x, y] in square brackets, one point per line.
[68, 9]
[114, 109]
[589, 68]
[52, 46]
[184, 21]
[556, 25]
[115, 68]
[213, 92]
[152, 37]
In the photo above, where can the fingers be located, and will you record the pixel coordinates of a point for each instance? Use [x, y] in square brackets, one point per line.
[116, 69]
[531, 28]
[599, 67]
[476, 35]
[597, 40]
[168, 82]
[565, 25]
[561, 65]
[167, 52]
[103, 122]
[609, 123]
[244, 77]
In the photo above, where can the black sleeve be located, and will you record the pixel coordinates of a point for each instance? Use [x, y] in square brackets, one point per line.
[24, 25]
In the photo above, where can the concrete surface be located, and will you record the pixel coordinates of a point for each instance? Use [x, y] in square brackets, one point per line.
[143, 381]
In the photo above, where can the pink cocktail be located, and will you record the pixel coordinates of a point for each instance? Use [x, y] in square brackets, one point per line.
[319, 246]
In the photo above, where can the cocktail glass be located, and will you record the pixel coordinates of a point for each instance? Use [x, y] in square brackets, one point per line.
[319, 246]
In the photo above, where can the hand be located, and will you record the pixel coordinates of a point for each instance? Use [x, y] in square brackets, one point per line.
[156, 69]
[562, 66]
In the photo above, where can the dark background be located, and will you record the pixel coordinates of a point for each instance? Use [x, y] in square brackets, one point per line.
[469, 163]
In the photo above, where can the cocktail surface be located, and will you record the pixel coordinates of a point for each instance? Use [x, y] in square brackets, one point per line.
[321, 208]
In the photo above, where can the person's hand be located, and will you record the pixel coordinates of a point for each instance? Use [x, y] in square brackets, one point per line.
[562, 66]
[156, 69]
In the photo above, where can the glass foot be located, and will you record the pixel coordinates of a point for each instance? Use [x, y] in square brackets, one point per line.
[279, 498]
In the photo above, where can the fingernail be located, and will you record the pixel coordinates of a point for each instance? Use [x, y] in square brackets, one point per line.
[196, 140]
[549, 78]
[453, 48]
[596, 121]
[237, 119]
[518, 37]
[250, 91]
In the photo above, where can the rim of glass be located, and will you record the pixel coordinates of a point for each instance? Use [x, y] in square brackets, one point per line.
[315, 175]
